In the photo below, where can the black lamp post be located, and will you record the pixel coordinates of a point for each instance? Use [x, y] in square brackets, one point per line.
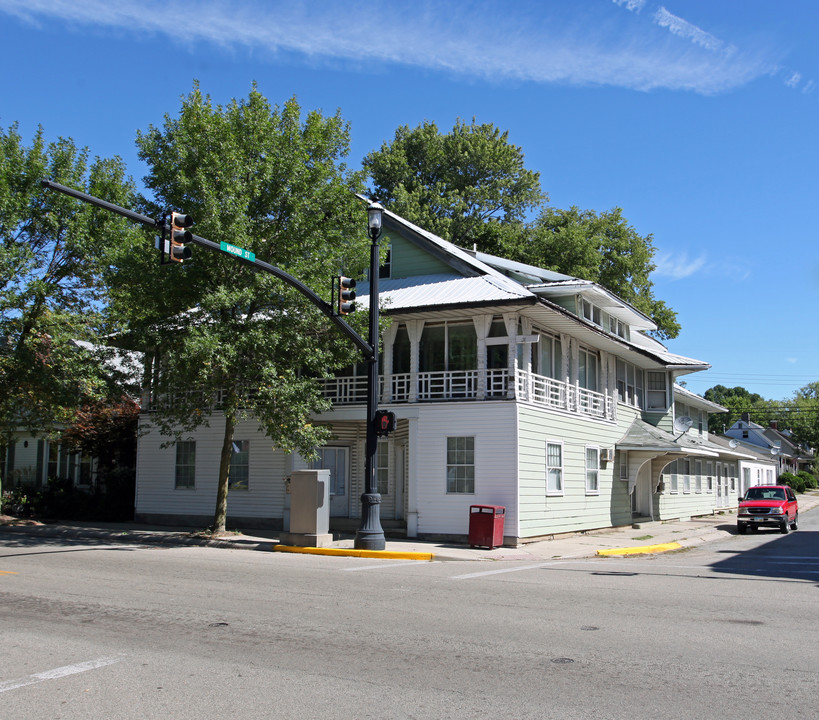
[370, 535]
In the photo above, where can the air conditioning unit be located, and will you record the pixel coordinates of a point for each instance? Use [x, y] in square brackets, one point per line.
[607, 454]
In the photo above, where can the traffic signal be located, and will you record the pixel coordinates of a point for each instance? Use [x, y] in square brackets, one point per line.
[179, 236]
[384, 422]
[346, 296]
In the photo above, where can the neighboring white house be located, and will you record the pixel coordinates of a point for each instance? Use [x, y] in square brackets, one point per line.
[33, 458]
[512, 385]
[789, 455]
[756, 466]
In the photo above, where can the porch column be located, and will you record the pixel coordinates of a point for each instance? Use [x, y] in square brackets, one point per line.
[387, 340]
[482, 325]
[510, 320]
[414, 330]
[412, 477]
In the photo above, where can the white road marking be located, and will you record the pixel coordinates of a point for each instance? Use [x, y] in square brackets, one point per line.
[383, 565]
[60, 672]
[519, 568]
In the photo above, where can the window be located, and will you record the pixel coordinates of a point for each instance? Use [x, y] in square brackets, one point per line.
[239, 478]
[623, 465]
[590, 312]
[385, 269]
[401, 352]
[629, 384]
[656, 390]
[671, 468]
[460, 465]
[592, 470]
[686, 473]
[547, 357]
[448, 347]
[709, 473]
[698, 476]
[554, 468]
[185, 464]
[382, 467]
[587, 370]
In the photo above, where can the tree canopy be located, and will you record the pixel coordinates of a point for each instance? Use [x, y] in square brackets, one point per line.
[470, 186]
[269, 180]
[53, 255]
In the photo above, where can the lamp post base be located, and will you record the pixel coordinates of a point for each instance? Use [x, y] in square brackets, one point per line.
[370, 535]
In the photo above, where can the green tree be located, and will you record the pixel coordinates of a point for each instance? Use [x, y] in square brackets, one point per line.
[803, 419]
[220, 335]
[468, 186]
[52, 258]
[602, 248]
[738, 400]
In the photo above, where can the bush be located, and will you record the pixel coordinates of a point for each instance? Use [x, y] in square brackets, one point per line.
[810, 480]
[111, 499]
[796, 482]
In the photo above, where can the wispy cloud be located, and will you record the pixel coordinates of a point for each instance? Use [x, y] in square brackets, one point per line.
[538, 42]
[678, 267]
[686, 30]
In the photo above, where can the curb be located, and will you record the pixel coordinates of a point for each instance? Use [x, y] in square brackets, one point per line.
[644, 550]
[344, 552]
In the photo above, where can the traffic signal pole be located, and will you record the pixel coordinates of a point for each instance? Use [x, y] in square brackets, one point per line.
[368, 349]
[370, 535]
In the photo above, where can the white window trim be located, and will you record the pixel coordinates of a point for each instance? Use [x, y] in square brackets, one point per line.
[595, 491]
[473, 465]
[562, 491]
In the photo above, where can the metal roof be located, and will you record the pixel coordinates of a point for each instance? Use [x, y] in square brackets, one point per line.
[431, 291]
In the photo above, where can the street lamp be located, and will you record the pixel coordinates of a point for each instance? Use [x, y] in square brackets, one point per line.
[370, 535]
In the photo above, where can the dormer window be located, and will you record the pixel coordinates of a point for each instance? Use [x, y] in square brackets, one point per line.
[591, 313]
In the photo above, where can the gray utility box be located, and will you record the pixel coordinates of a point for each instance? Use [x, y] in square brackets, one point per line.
[309, 509]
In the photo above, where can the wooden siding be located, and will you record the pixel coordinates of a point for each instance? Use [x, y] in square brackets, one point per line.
[575, 509]
[156, 466]
[408, 260]
[494, 427]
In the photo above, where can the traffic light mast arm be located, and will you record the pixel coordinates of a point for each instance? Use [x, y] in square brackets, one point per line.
[326, 308]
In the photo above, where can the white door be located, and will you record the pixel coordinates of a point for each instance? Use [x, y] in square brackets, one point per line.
[399, 482]
[722, 486]
[336, 460]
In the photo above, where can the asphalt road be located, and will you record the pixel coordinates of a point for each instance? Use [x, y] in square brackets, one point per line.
[112, 631]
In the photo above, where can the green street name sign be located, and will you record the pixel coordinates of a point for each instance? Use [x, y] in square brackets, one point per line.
[237, 251]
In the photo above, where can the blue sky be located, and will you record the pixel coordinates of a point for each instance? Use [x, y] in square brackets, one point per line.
[698, 118]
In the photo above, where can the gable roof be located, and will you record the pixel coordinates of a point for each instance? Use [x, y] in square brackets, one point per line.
[482, 280]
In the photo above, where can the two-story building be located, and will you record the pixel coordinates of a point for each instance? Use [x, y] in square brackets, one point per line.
[512, 385]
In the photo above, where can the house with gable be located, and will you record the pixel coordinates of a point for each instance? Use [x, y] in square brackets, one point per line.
[789, 455]
[512, 385]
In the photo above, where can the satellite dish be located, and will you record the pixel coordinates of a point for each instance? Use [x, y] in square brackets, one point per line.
[732, 443]
[774, 450]
[682, 424]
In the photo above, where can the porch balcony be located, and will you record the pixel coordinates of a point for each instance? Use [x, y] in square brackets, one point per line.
[492, 384]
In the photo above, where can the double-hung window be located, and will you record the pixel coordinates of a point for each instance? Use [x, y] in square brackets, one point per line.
[239, 478]
[382, 466]
[554, 468]
[460, 465]
[592, 470]
[587, 364]
[185, 476]
[656, 395]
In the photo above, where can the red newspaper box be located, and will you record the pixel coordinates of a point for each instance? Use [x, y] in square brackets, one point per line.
[486, 525]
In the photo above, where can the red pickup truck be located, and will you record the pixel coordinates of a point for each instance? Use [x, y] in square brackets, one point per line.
[768, 506]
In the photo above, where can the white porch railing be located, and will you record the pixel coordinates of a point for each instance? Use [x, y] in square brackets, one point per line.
[467, 385]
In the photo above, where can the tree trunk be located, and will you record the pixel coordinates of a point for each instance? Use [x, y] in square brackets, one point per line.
[220, 516]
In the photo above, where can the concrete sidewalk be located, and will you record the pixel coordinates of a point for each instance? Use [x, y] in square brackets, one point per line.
[648, 538]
